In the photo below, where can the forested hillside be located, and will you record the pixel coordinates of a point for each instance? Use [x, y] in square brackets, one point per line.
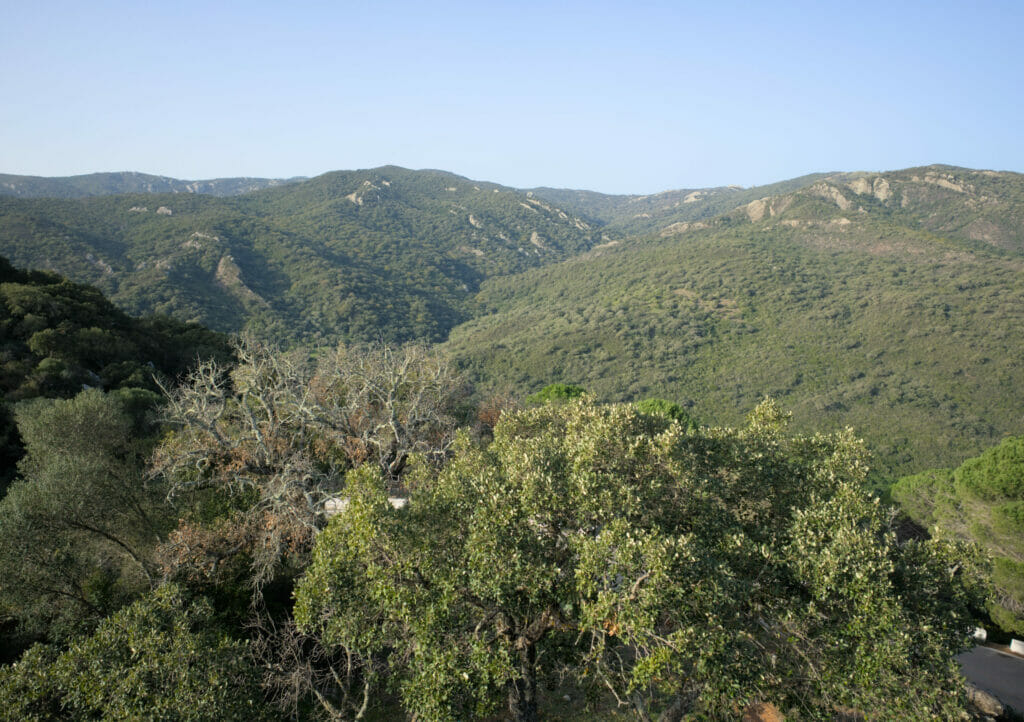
[982, 500]
[386, 253]
[237, 555]
[635, 214]
[871, 300]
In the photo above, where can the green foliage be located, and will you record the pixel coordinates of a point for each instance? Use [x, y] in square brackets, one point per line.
[920, 494]
[981, 501]
[689, 570]
[668, 409]
[631, 215]
[556, 393]
[857, 299]
[77, 529]
[161, 658]
[59, 335]
[996, 475]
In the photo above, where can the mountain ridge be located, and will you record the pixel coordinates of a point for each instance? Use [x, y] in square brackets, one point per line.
[121, 182]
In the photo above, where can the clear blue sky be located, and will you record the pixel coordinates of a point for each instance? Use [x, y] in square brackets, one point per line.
[617, 97]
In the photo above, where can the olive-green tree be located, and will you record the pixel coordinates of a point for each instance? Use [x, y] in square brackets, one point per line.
[685, 571]
[556, 393]
[78, 529]
[160, 658]
[983, 501]
[664, 407]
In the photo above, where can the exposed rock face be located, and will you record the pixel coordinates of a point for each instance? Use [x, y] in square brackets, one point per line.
[831, 193]
[757, 209]
[359, 196]
[881, 189]
[947, 181]
[164, 211]
[229, 275]
[681, 227]
[860, 186]
[534, 201]
[762, 207]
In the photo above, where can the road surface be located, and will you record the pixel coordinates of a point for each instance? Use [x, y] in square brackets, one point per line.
[998, 673]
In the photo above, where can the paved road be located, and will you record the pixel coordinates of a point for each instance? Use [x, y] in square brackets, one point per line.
[998, 673]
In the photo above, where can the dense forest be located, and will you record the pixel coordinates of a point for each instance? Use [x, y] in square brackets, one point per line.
[475, 452]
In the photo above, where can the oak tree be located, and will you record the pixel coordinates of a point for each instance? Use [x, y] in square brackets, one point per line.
[682, 570]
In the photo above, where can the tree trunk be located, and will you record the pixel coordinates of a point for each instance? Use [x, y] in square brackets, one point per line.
[522, 692]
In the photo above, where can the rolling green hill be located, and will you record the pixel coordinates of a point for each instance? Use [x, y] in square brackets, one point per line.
[892, 314]
[385, 253]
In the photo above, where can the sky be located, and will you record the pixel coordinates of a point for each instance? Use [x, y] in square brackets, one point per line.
[616, 97]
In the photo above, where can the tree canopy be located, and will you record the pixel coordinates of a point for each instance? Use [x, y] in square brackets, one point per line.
[77, 530]
[161, 658]
[982, 500]
[684, 570]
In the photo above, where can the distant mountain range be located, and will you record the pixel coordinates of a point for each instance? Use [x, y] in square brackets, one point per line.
[103, 184]
[890, 301]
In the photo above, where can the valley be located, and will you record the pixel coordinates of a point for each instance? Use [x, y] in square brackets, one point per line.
[890, 302]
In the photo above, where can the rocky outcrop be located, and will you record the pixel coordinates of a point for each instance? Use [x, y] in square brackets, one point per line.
[983, 704]
[229, 276]
[756, 210]
[831, 193]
